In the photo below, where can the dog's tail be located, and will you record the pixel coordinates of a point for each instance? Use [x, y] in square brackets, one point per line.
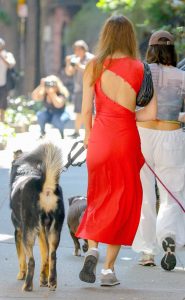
[47, 158]
[53, 165]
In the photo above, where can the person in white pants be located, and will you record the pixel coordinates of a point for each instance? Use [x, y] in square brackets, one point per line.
[163, 146]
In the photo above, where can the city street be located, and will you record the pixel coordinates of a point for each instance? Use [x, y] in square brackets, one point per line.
[117, 66]
[137, 283]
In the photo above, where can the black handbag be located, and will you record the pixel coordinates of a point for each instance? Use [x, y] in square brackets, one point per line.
[147, 89]
[12, 79]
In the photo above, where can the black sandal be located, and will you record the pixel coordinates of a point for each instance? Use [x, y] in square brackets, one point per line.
[168, 262]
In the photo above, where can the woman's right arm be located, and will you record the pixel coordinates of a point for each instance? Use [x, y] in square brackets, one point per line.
[87, 101]
[69, 70]
[39, 93]
[149, 112]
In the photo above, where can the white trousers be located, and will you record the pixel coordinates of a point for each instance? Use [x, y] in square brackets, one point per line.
[164, 151]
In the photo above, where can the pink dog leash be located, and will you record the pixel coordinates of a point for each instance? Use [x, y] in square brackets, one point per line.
[170, 193]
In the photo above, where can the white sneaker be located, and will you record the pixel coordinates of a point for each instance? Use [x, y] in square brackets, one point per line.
[109, 279]
[147, 260]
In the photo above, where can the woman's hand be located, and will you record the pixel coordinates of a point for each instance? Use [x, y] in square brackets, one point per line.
[42, 82]
[181, 117]
[86, 139]
[69, 69]
[51, 91]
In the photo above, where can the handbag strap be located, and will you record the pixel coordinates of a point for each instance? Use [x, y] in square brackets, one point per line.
[147, 90]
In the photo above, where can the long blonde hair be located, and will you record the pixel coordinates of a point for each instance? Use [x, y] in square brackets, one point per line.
[117, 34]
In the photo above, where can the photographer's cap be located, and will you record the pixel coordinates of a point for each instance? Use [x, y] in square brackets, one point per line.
[156, 36]
[81, 44]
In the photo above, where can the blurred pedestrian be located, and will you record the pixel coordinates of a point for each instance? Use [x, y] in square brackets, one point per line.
[114, 157]
[75, 66]
[7, 61]
[54, 95]
[163, 146]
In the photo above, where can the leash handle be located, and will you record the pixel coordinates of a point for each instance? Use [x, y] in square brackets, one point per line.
[71, 160]
[165, 187]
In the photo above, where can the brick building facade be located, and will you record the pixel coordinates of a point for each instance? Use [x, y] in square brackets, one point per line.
[36, 39]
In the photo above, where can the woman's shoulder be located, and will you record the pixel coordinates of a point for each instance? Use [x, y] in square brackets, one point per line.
[123, 59]
[179, 72]
[136, 61]
[170, 70]
[134, 64]
[89, 55]
[126, 61]
[131, 69]
[168, 76]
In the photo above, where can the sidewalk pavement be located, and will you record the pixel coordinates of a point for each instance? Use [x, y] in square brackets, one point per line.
[28, 140]
[137, 282]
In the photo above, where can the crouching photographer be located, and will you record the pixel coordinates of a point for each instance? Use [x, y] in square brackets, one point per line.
[54, 95]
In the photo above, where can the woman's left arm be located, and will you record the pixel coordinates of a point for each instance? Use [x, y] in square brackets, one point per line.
[149, 112]
[58, 101]
[181, 117]
[87, 101]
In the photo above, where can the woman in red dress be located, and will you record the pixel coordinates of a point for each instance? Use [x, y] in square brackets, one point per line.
[114, 157]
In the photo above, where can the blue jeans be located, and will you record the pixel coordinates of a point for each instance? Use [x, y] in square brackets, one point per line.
[57, 118]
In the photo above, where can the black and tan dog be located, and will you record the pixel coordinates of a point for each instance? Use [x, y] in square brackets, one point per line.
[37, 207]
[77, 206]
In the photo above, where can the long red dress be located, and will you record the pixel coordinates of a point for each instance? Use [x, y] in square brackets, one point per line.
[114, 160]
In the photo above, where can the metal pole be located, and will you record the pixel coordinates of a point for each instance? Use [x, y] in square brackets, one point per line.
[38, 44]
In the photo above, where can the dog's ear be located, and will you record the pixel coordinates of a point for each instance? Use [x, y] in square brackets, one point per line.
[74, 198]
[17, 154]
[70, 200]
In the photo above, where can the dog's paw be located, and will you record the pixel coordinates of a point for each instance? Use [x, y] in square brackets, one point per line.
[43, 282]
[21, 275]
[27, 287]
[77, 252]
[52, 286]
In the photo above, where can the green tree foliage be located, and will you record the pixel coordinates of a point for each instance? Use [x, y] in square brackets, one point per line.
[115, 4]
[151, 15]
[4, 17]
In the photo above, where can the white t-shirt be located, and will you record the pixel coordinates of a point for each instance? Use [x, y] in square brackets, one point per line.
[4, 66]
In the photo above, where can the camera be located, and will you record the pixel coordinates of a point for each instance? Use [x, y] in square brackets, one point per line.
[74, 60]
[50, 83]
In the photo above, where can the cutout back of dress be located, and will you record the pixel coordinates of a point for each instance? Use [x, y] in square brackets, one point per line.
[121, 81]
